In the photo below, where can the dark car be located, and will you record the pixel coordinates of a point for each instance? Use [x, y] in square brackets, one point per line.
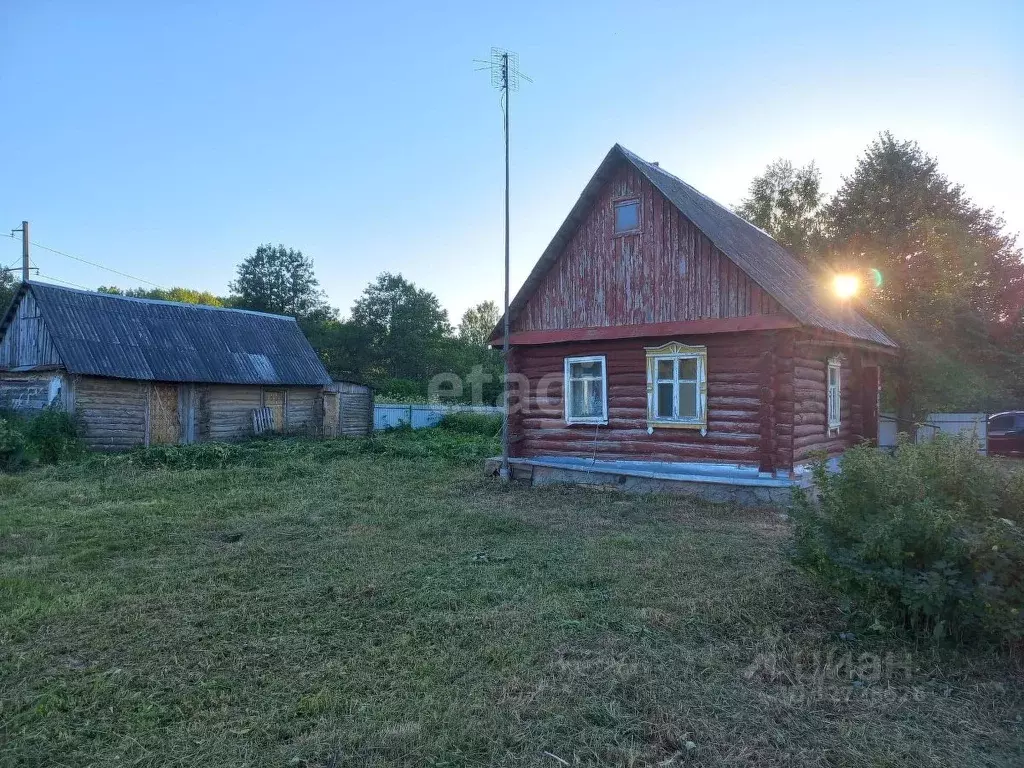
[1006, 434]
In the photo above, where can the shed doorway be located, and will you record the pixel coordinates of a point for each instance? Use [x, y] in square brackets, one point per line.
[164, 424]
[274, 399]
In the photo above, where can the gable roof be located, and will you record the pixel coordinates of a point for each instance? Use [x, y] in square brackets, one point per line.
[752, 249]
[100, 334]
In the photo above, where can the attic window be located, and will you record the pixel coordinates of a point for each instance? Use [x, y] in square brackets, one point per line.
[627, 216]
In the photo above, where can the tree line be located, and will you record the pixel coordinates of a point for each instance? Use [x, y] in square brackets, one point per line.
[396, 337]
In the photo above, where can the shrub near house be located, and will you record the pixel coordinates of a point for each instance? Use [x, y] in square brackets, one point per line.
[932, 535]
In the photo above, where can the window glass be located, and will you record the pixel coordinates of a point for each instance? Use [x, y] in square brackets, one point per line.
[665, 370]
[627, 216]
[1001, 423]
[665, 400]
[688, 368]
[687, 400]
[588, 369]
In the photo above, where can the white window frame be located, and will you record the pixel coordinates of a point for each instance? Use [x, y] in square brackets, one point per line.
[675, 351]
[567, 390]
[834, 396]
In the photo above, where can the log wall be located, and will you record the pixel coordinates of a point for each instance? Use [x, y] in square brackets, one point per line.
[810, 395]
[304, 409]
[668, 271]
[225, 411]
[766, 402]
[112, 412]
[734, 403]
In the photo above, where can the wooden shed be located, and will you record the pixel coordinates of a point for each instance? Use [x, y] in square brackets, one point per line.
[143, 372]
[662, 335]
[348, 409]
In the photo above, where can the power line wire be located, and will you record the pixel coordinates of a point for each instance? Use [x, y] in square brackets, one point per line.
[65, 282]
[90, 263]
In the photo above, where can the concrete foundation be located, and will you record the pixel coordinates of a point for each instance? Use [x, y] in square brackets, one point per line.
[727, 483]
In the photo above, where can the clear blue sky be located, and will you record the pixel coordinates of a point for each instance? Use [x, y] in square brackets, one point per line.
[168, 139]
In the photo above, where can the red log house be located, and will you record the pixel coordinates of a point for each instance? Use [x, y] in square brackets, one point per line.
[660, 335]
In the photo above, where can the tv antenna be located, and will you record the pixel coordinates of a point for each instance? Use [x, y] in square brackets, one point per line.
[505, 76]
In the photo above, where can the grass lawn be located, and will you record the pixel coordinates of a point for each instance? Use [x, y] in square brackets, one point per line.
[313, 604]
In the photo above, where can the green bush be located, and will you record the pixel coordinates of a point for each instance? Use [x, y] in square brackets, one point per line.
[485, 424]
[931, 535]
[45, 437]
[12, 444]
[52, 436]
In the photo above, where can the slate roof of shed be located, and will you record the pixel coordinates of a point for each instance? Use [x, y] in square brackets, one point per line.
[752, 249]
[100, 334]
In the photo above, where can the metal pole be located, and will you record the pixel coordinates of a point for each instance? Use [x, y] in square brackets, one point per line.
[504, 472]
[24, 252]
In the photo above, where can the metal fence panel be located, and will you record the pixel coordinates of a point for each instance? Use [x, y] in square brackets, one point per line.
[947, 423]
[389, 416]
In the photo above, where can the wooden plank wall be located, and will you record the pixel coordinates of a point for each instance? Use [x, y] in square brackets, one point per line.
[113, 412]
[734, 403]
[26, 341]
[667, 272]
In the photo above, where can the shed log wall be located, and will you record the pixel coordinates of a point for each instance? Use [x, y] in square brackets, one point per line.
[734, 403]
[26, 341]
[304, 408]
[112, 411]
[225, 411]
[668, 271]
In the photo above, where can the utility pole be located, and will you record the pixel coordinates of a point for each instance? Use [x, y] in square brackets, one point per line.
[25, 264]
[24, 252]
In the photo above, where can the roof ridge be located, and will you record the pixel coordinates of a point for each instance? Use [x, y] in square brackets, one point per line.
[658, 169]
[184, 304]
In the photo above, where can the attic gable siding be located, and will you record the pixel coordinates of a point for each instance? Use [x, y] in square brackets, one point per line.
[666, 272]
[26, 341]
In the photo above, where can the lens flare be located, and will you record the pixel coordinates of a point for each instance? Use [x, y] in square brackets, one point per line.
[845, 286]
[876, 276]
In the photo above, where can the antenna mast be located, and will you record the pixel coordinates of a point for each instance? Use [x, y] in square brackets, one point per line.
[505, 77]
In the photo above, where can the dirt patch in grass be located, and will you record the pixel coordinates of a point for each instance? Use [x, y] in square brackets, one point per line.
[342, 608]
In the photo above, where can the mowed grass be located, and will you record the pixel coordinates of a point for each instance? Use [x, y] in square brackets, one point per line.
[332, 607]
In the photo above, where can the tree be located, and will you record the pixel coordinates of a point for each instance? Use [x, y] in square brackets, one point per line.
[785, 202]
[343, 346]
[405, 326]
[8, 285]
[183, 295]
[952, 281]
[279, 280]
[899, 214]
[478, 322]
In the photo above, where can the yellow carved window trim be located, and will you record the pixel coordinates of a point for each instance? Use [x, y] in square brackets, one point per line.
[677, 351]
